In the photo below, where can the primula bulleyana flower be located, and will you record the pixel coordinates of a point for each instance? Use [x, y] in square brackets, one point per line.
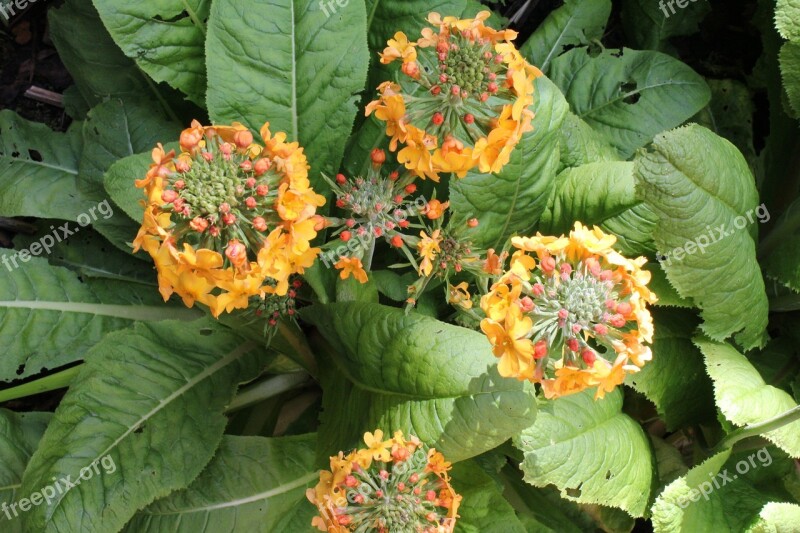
[228, 218]
[348, 266]
[572, 317]
[394, 485]
[463, 98]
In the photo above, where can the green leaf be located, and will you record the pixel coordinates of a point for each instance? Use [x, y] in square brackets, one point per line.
[483, 508]
[147, 407]
[574, 23]
[669, 461]
[116, 129]
[386, 17]
[776, 518]
[286, 62]
[781, 262]
[675, 380]
[701, 188]
[513, 200]
[50, 317]
[580, 144]
[165, 38]
[648, 25]
[406, 371]
[790, 74]
[660, 285]
[19, 436]
[39, 170]
[251, 484]
[787, 19]
[89, 255]
[591, 451]
[601, 194]
[744, 398]
[98, 67]
[629, 95]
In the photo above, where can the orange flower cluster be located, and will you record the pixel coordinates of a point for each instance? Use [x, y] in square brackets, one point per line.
[473, 107]
[396, 484]
[227, 218]
[572, 318]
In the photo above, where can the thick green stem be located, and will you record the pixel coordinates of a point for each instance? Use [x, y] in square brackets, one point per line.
[266, 389]
[754, 430]
[55, 381]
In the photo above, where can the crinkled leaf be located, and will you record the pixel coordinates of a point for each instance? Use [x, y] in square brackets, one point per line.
[701, 188]
[483, 508]
[116, 129]
[286, 62]
[574, 23]
[790, 74]
[676, 380]
[776, 517]
[513, 200]
[407, 371]
[580, 144]
[602, 194]
[744, 398]
[667, 295]
[386, 17]
[591, 451]
[50, 318]
[19, 436]
[787, 19]
[648, 25]
[629, 95]
[782, 263]
[151, 400]
[251, 484]
[166, 39]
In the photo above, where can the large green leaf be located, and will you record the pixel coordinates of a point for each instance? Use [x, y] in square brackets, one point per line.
[782, 263]
[648, 25]
[787, 19]
[94, 61]
[286, 62]
[675, 380]
[629, 95]
[513, 200]
[776, 518]
[602, 194]
[411, 372]
[50, 317]
[790, 74]
[252, 484]
[165, 38]
[580, 144]
[386, 17]
[576, 22]
[483, 508]
[19, 436]
[147, 410]
[591, 451]
[701, 188]
[744, 398]
[117, 129]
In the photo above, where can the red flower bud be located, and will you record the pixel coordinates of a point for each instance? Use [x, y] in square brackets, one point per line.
[345, 236]
[340, 179]
[261, 166]
[262, 190]
[250, 202]
[260, 224]
[540, 349]
[469, 118]
[397, 241]
[588, 356]
[438, 119]
[378, 156]
[243, 138]
[169, 196]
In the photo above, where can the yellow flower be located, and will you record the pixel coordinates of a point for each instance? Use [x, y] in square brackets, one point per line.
[348, 498]
[584, 302]
[468, 107]
[255, 223]
[428, 248]
[351, 265]
[459, 295]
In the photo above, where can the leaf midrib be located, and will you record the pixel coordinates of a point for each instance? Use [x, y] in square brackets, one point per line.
[131, 312]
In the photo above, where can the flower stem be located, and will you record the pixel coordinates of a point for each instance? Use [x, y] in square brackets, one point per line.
[753, 430]
[268, 388]
[46, 384]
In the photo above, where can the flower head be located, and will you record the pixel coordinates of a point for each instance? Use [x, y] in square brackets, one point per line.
[463, 98]
[228, 219]
[572, 318]
[394, 485]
